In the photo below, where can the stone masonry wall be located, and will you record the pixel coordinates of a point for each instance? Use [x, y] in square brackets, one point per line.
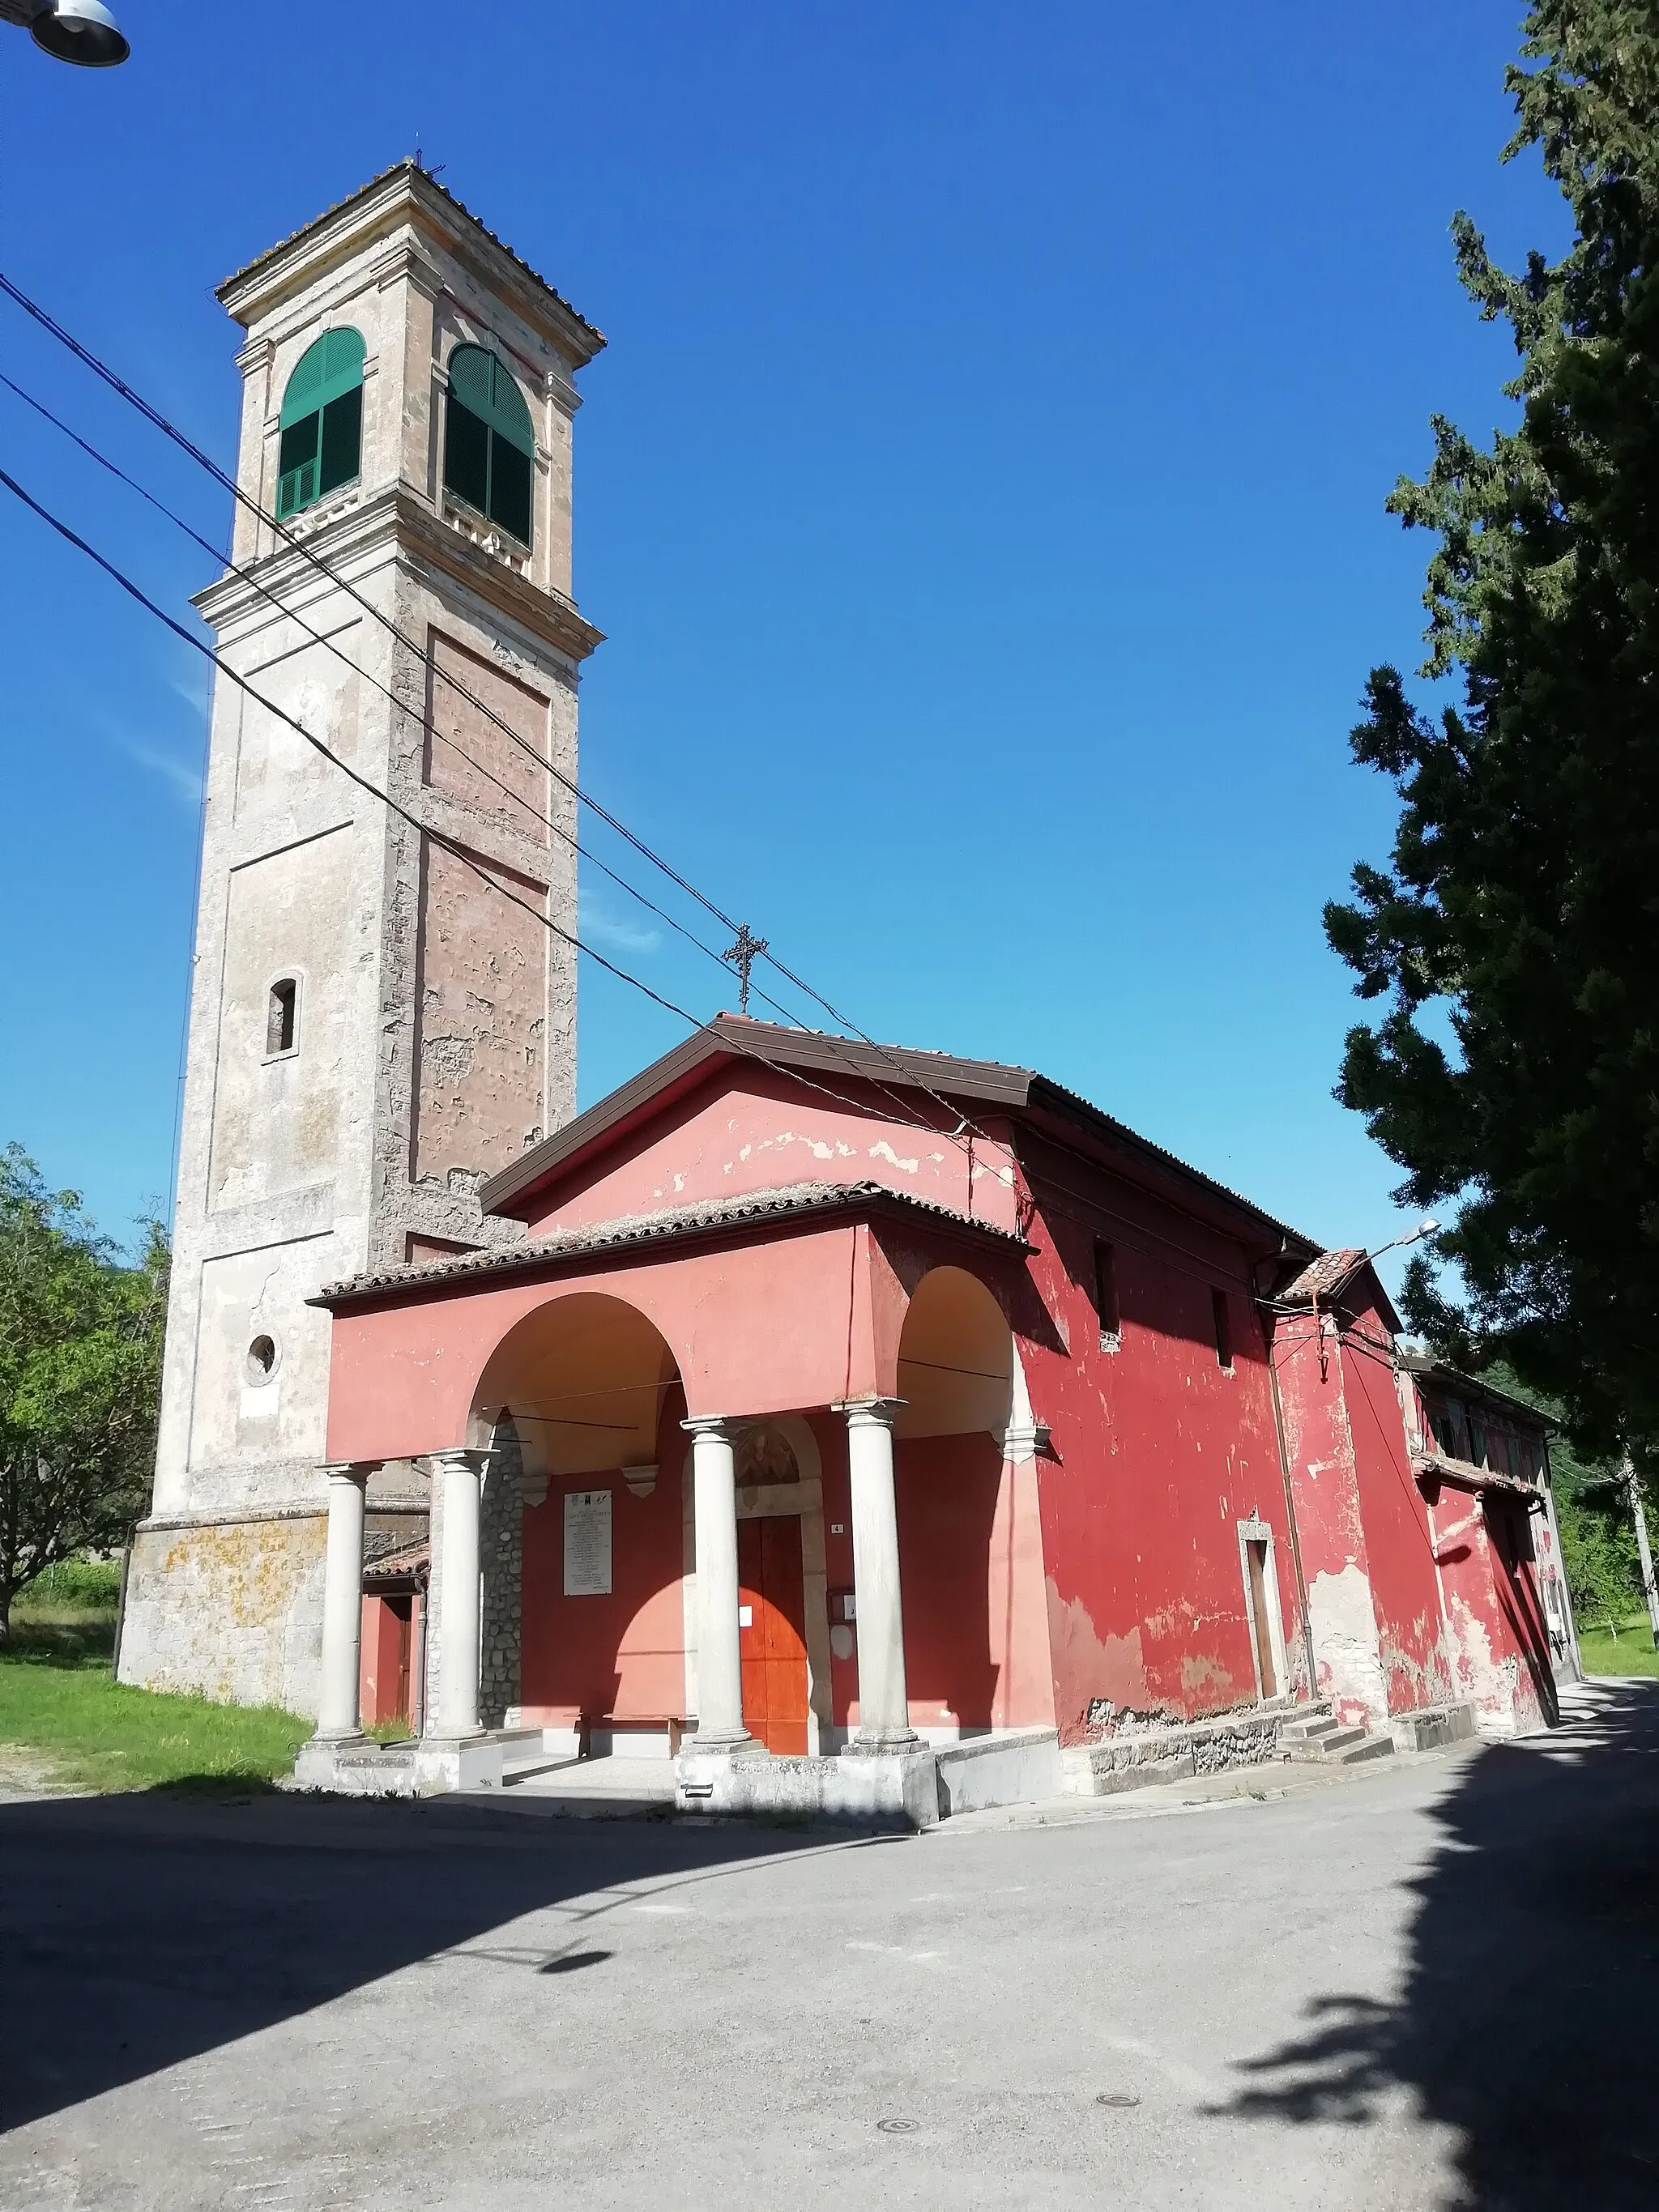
[232, 1610]
[500, 1560]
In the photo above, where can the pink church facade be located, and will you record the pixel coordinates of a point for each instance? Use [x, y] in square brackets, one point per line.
[846, 1400]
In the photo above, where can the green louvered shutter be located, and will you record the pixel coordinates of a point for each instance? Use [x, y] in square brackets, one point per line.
[489, 443]
[322, 421]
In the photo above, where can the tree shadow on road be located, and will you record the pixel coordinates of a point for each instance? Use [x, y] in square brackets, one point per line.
[141, 1929]
[1526, 2017]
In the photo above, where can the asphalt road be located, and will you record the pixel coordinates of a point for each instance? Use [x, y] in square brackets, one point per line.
[1431, 1985]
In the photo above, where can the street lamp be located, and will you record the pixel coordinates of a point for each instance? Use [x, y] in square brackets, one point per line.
[1425, 1228]
[80, 31]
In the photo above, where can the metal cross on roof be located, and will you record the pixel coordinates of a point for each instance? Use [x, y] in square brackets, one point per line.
[742, 956]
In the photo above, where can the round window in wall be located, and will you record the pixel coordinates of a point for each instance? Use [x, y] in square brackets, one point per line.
[262, 1359]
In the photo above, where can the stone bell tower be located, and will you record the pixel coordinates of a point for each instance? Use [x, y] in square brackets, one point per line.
[379, 1016]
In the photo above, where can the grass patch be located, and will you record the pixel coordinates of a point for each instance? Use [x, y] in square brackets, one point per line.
[56, 1699]
[1631, 1653]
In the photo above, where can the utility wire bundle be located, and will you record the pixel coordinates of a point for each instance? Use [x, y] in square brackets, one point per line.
[746, 948]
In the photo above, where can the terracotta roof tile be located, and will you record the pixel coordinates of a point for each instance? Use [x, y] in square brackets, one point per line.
[664, 1226]
[1324, 1275]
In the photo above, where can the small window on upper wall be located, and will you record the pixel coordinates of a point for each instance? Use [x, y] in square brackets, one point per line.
[1222, 1316]
[282, 1018]
[322, 421]
[1111, 1333]
[490, 444]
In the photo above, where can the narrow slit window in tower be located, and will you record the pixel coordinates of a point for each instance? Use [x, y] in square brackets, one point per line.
[283, 1017]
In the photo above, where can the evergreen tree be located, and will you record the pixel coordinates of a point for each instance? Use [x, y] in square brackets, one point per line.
[1523, 899]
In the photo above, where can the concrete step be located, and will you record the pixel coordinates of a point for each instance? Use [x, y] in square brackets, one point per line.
[1329, 1743]
[1308, 1731]
[1370, 1746]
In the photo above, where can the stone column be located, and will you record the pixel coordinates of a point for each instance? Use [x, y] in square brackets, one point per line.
[460, 1472]
[338, 1717]
[884, 1702]
[719, 1669]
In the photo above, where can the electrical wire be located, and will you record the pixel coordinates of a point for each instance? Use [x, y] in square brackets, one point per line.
[297, 543]
[449, 844]
[427, 725]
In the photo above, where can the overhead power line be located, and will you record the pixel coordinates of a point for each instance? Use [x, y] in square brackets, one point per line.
[425, 722]
[449, 844]
[297, 543]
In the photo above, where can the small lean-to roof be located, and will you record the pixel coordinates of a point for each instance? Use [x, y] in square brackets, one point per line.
[1323, 1275]
[421, 180]
[823, 1058]
[671, 1225]
[1432, 1370]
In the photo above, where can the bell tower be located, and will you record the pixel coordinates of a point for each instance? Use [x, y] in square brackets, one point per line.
[380, 1015]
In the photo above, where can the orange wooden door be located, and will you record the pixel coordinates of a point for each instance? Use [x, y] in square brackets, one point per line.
[772, 1639]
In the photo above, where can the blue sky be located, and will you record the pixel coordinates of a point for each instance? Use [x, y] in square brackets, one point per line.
[982, 496]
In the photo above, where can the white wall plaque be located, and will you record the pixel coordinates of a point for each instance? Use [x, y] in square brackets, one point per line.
[588, 1543]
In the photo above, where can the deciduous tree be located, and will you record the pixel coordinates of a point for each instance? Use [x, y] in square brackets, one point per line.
[81, 1333]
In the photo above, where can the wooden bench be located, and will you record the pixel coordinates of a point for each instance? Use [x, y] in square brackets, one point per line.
[674, 1724]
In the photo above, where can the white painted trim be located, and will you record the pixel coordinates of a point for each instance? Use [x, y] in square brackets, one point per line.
[1255, 1530]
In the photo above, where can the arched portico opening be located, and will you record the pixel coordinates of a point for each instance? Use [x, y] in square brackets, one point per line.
[590, 1389]
[975, 1638]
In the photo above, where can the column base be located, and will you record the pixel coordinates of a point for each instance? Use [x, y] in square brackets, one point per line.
[723, 1743]
[884, 1743]
[335, 1739]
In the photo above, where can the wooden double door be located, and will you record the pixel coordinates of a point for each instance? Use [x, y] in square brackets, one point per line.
[772, 1632]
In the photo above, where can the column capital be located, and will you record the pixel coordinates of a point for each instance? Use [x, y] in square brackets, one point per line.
[712, 1425]
[355, 1471]
[471, 1459]
[870, 1412]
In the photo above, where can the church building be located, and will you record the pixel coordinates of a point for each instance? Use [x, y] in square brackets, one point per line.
[861, 1429]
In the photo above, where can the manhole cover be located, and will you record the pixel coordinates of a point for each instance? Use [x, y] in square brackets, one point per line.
[898, 2127]
[1118, 2100]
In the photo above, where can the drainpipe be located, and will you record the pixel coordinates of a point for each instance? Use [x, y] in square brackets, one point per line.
[1289, 1506]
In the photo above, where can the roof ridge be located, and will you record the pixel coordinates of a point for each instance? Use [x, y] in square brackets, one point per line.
[414, 169]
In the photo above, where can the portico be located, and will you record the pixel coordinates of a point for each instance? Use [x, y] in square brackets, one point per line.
[761, 1612]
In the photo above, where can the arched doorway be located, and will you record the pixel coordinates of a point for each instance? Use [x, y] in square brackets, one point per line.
[783, 1630]
[771, 1591]
[592, 1391]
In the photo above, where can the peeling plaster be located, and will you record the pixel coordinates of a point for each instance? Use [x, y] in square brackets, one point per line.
[1345, 1646]
[1089, 1667]
[884, 1151]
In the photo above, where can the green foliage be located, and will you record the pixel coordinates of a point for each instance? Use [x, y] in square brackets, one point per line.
[82, 1585]
[1523, 897]
[80, 1338]
[1604, 1573]
[99, 1734]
